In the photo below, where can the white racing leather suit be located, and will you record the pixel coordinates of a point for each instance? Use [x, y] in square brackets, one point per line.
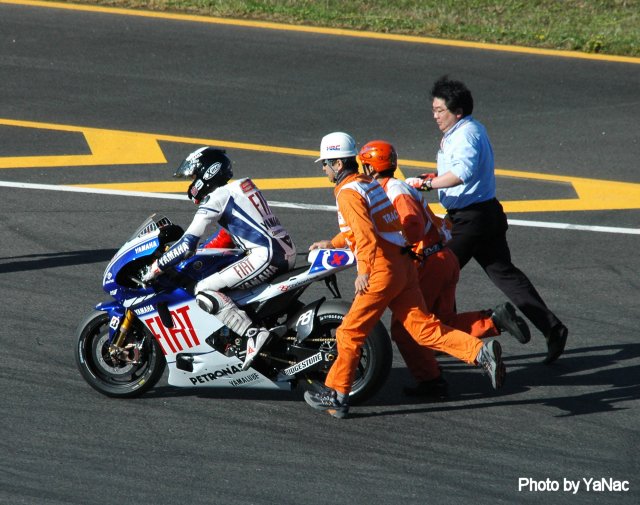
[241, 209]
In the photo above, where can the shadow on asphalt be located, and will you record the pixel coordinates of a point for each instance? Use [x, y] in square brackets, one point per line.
[52, 260]
[611, 371]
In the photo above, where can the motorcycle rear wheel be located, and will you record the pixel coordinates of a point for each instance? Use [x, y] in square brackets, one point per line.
[376, 354]
[104, 374]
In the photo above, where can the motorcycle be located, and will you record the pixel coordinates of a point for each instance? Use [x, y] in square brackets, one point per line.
[125, 344]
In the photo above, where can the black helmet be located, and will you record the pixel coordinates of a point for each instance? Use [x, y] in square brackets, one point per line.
[209, 168]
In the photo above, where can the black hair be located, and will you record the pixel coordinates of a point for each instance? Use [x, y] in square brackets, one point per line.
[350, 164]
[455, 94]
[387, 173]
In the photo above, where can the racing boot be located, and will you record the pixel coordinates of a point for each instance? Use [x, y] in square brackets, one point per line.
[236, 320]
[256, 341]
[334, 403]
[490, 359]
[506, 319]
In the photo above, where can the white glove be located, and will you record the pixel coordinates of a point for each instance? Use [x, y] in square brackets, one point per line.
[152, 272]
[415, 182]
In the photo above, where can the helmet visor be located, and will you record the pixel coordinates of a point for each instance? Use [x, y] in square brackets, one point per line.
[186, 169]
[189, 166]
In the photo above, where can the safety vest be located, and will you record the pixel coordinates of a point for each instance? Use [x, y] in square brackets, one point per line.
[382, 213]
[435, 230]
[394, 188]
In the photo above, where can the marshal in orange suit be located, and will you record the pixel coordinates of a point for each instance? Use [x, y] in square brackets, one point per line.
[386, 277]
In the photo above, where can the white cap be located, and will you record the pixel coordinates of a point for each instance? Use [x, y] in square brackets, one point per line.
[337, 145]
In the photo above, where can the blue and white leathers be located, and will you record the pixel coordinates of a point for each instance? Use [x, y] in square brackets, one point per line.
[241, 208]
[243, 211]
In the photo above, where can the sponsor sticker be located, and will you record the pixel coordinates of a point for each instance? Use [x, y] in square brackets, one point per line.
[247, 186]
[305, 363]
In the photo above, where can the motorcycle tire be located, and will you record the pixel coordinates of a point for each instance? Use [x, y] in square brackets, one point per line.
[117, 380]
[376, 354]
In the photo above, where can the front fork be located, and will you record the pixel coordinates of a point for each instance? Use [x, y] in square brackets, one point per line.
[117, 350]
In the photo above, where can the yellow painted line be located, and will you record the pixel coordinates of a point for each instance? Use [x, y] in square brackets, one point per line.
[116, 147]
[113, 147]
[591, 194]
[327, 31]
[107, 147]
[600, 194]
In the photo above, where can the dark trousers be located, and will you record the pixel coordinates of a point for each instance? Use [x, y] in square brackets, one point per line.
[480, 232]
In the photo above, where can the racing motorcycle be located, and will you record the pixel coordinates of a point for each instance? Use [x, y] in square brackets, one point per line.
[125, 344]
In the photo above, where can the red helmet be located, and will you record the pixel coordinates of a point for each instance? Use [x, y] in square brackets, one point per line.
[380, 155]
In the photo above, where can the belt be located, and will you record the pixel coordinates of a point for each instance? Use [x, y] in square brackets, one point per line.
[428, 251]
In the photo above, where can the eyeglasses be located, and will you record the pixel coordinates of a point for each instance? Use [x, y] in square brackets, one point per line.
[327, 163]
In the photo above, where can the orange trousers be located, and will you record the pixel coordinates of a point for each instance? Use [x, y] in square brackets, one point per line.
[393, 283]
[438, 277]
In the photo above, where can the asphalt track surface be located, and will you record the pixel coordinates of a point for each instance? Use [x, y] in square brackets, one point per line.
[63, 443]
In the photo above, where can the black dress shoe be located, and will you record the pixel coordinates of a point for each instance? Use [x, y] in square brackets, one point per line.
[434, 389]
[556, 340]
[506, 318]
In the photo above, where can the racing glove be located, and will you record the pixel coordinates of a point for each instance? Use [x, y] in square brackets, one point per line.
[152, 272]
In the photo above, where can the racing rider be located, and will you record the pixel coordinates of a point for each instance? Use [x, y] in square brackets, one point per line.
[243, 213]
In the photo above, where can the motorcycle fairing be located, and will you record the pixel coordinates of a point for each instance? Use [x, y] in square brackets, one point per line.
[185, 343]
[208, 261]
[214, 369]
[330, 259]
[321, 261]
[138, 247]
[302, 323]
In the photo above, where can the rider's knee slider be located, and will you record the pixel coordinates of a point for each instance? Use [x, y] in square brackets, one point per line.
[221, 306]
[208, 303]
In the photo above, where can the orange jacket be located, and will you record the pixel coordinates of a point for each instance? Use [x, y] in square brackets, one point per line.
[421, 226]
[369, 223]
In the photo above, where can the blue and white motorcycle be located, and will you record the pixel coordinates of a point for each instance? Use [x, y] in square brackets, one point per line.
[125, 344]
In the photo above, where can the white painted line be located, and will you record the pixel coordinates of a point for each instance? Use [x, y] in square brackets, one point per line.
[305, 206]
[579, 227]
[99, 191]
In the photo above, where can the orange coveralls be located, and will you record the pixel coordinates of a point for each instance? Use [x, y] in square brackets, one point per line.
[370, 227]
[438, 276]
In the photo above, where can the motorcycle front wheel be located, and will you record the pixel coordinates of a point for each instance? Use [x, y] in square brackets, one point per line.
[113, 377]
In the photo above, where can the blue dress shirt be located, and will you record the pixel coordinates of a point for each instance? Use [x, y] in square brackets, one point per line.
[465, 150]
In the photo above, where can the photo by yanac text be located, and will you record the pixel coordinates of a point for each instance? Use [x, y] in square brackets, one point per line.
[585, 484]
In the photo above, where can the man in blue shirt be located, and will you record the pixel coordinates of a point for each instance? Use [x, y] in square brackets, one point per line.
[466, 187]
